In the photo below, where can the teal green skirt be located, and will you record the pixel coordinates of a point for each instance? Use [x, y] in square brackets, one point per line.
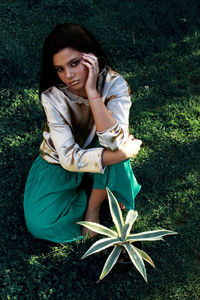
[55, 199]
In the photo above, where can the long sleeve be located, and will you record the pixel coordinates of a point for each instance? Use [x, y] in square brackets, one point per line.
[70, 155]
[118, 102]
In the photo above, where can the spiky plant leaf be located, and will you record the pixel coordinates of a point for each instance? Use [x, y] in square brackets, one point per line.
[99, 228]
[116, 212]
[132, 239]
[149, 235]
[136, 259]
[124, 231]
[101, 245]
[145, 256]
[130, 219]
[111, 261]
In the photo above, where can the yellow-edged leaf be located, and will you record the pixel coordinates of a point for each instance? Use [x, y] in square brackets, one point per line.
[124, 232]
[101, 245]
[131, 239]
[136, 259]
[130, 219]
[150, 235]
[116, 212]
[145, 256]
[98, 228]
[111, 261]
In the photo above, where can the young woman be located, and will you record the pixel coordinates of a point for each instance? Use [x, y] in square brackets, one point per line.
[86, 143]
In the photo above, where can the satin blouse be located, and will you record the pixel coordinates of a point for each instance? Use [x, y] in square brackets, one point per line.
[70, 126]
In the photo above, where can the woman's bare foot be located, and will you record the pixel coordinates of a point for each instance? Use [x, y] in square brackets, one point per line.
[122, 206]
[90, 216]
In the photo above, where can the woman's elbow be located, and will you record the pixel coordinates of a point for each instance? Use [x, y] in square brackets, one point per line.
[67, 162]
[115, 142]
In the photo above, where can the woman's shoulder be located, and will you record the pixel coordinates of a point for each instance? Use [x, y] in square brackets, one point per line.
[53, 92]
[53, 97]
[50, 91]
[116, 81]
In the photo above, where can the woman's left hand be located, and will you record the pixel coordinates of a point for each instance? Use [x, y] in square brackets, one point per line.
[91, 62]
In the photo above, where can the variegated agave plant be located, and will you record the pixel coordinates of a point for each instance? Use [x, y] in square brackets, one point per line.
[122, 238]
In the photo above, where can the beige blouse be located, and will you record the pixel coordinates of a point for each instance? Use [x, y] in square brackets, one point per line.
[70, 126]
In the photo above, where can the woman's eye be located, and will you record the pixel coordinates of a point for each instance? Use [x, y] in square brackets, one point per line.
[59, 69]
[75, 63]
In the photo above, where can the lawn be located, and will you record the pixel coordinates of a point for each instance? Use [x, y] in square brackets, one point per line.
[155, 46]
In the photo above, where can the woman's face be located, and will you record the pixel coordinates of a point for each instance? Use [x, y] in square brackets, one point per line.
[68, 65]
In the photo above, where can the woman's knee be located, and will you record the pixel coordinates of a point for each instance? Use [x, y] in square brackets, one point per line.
[35, 225]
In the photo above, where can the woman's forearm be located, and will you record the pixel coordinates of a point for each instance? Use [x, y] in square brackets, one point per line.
[112, 157]
[102, 117]
[129, 149]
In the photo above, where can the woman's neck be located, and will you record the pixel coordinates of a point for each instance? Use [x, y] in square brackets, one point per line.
[82, 93]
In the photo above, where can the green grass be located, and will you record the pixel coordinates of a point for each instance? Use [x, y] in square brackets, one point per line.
[155, 46]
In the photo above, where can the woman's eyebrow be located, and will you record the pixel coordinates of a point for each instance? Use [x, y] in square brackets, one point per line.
[75, 58]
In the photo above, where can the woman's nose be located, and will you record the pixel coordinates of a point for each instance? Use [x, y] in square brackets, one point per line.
[68, 73]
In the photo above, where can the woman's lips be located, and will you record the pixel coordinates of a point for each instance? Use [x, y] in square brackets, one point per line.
[74, 82]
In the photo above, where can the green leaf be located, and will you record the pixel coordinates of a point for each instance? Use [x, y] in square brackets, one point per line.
[99, 228]
[150, 235]
[124, 231]
[101, 245]
[116, 212]
[130, 219]
[145, 256]
[111, 261]
[132, 238]
[136, 260]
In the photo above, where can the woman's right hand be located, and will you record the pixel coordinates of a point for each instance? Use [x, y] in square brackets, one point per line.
[131, 147]
[128, 150]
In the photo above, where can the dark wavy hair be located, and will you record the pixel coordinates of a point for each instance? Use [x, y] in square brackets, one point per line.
[66, 35]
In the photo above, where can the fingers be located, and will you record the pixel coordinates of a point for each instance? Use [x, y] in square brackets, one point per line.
[136, 145]
[131, 147]
[87, 64]
[139, 142]
[90, 56]
[131, 137]
[90, 60]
